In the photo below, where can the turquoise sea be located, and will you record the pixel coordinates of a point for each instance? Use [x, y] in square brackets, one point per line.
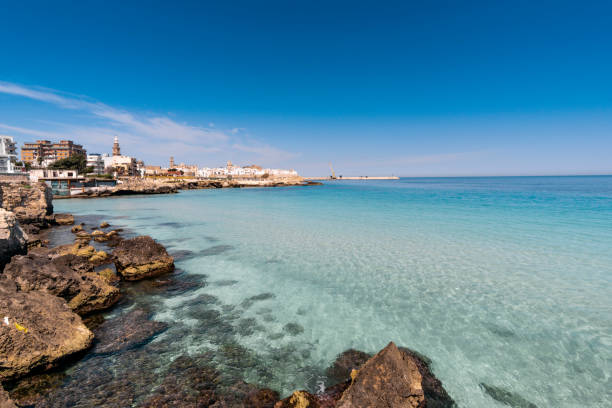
[503, 281]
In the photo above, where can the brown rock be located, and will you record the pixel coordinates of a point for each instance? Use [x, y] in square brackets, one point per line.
[262, 398]
[435, 394]
[142, 257]
[31, 203]
[67, 276]
[390, 379]
[76, 228]
[64, 219]
[5, 401]
[99, 258]
[13, 240]
[42, 331]
[345, 363]
[299, 399]
[104, 224]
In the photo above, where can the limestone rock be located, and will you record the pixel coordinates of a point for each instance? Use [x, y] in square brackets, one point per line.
[299, 399]
[5, 400]
[42, 331]
[99, 258]
[31, 203]
[12, 238]
[67, 276]
[64, 219]
[141, 257]
[390, 379]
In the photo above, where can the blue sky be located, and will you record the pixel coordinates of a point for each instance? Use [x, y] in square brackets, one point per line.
[405, 88]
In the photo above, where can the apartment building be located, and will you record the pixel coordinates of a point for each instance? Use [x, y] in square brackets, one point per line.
[45, 150]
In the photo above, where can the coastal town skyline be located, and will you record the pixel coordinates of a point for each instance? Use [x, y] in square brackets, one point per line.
[431, 105]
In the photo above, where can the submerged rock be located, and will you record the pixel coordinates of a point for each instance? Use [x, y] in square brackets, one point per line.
[506, 397]
[141, 258]
[345, 363]
[13, 240]
[41, 332]
[129, 330]
[68, 276]
[188, 383]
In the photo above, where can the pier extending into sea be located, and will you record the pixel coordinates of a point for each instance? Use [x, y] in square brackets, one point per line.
[353, 178]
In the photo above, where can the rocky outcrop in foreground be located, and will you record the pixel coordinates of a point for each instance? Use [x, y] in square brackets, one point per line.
[141, 257]
[12, 238]
[41, 331]
[69, 277]
[31, 203]
[393, 378]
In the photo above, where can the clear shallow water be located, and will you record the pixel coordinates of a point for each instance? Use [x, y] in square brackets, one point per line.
[503, 281]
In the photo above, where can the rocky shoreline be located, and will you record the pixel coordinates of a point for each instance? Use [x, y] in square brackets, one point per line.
[137, 186]
[52, 298]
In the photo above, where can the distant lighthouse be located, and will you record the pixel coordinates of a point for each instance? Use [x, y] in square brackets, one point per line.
[116, 148]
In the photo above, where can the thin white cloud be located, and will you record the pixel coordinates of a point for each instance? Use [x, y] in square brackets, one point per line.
[147, 132]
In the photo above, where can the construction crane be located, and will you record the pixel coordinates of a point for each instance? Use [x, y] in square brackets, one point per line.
[333, 175]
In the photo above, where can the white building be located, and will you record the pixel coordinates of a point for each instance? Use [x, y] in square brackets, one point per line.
[96, 162]
[8, 154]
[247, 171]
[51, 174]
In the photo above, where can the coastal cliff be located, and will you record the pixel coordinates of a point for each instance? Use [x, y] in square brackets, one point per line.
[13, 240]
[31, 202]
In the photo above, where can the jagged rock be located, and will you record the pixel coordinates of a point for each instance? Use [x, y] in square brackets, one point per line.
[435, 394]
[96, 233]
[42, 331]
[129, 330]
[69, 276]
[104, 224]
[141, 257]
[5, 400]
[64, 219]
[390, 379]
[12, 238]
[31, 203]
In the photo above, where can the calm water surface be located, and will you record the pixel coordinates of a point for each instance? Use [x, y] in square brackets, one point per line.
[503, 281]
